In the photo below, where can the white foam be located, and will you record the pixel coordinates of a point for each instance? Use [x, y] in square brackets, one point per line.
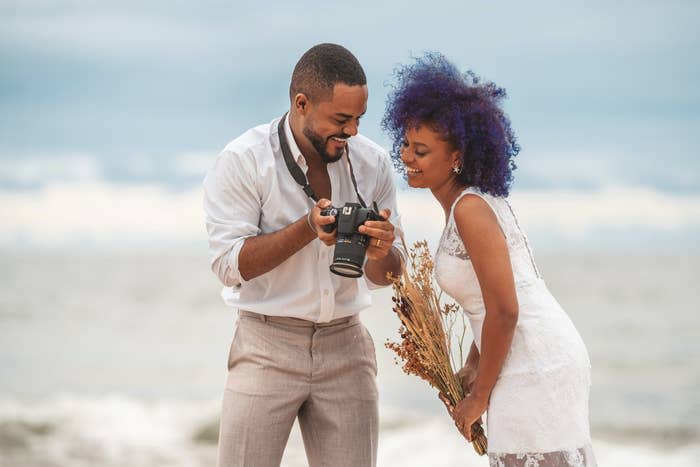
[118, 431]
[83, 212]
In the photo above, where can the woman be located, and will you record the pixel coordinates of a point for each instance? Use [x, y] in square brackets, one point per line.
[527, 367]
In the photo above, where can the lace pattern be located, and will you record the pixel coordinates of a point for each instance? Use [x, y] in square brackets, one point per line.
[538, 410]
[523, 261]
[582, 457]
[451, 243]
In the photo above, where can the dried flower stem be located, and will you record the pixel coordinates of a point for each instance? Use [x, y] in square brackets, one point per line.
[427, 330]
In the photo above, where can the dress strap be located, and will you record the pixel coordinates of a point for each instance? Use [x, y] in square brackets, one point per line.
[477, 192]
[507, 220]
[525, 240]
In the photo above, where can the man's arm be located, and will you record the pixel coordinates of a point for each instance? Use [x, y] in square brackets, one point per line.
[382, 257]
[239, 251]
[390, 255]
[263, 253]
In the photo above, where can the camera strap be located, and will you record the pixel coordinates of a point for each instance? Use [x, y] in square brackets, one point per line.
[298, 174]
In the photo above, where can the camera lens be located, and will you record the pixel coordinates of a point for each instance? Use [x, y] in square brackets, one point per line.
[346, 269]
[349, 255]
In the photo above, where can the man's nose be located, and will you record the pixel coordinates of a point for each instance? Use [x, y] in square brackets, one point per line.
[351, 128]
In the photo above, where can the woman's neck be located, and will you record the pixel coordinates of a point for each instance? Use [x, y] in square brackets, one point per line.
[447, 194]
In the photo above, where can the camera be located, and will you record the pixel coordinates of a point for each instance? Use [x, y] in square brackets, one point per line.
[350, 245]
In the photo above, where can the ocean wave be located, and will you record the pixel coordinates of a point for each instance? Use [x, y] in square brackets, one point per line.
[110, 431]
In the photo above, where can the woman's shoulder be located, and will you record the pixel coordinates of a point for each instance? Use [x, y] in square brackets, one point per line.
[476, 211]
[470, 204]
[471, 201]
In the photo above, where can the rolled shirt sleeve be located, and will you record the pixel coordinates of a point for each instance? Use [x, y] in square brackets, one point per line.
[232, 208]
[249, 192]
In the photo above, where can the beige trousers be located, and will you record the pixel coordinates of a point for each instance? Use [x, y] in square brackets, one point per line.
[284, 368]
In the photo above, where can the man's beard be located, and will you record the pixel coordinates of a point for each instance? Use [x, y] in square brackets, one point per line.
[320, 145]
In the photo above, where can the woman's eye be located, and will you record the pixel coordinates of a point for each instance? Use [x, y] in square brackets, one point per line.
[404, 144]
[421, 154]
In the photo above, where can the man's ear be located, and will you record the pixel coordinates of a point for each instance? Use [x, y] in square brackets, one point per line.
[301, 103]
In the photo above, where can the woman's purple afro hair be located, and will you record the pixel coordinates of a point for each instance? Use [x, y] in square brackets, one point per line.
[433, 92]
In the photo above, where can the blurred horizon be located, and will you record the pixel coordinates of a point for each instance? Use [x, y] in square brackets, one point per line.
[110, 114]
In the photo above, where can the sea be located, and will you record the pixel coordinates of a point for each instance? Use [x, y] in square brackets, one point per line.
[119, 359]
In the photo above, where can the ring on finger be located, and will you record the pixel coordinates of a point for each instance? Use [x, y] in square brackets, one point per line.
[379, 242]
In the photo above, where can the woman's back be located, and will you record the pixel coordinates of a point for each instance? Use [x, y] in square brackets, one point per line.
[545, 338]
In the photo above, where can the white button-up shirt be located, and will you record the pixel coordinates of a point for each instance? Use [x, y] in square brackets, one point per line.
[249, 191]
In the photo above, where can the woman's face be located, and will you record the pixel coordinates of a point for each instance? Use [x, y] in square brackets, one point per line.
[428, 158]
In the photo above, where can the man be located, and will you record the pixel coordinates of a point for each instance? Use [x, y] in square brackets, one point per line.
[299, 350]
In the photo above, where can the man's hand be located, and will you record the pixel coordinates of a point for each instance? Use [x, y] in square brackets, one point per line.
[381, 235]
[317, 221]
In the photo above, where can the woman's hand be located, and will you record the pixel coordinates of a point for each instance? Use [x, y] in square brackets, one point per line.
[466, 376]
[469, 411]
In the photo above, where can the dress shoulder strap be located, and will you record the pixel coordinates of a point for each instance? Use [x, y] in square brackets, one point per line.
[490, 200]
[507, 220]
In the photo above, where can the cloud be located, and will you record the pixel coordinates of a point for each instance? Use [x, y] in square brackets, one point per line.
[94, 214]
[37, 170]
[609, 218]
[592, 26]
[577, 214]
[105, 215]
[165, 77]
[194, 164]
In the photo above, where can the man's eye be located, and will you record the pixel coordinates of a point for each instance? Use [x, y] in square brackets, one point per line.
[421, 154]
[404, 143]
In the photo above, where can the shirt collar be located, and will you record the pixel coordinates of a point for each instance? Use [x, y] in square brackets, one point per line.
[296, 152]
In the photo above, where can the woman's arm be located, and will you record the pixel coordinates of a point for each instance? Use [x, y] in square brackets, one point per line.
[488, 250]
[467, 374]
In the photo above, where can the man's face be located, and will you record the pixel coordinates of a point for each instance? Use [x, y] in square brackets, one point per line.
[329, 123]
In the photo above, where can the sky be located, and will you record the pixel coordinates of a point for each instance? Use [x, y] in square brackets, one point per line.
[111, 112]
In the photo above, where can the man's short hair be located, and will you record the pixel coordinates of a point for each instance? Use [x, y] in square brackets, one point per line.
[321, 67]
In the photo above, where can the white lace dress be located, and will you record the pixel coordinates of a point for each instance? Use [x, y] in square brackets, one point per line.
[538, 411]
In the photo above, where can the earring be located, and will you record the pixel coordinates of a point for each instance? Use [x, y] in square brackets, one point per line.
[457, 169]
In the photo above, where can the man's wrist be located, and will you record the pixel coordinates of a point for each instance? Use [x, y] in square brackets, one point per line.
[389, 265]
[309, 223]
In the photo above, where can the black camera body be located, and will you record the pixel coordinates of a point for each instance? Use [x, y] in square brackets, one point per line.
[350, 245]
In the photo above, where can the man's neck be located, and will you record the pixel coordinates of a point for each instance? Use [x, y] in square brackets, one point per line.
[312, 157]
